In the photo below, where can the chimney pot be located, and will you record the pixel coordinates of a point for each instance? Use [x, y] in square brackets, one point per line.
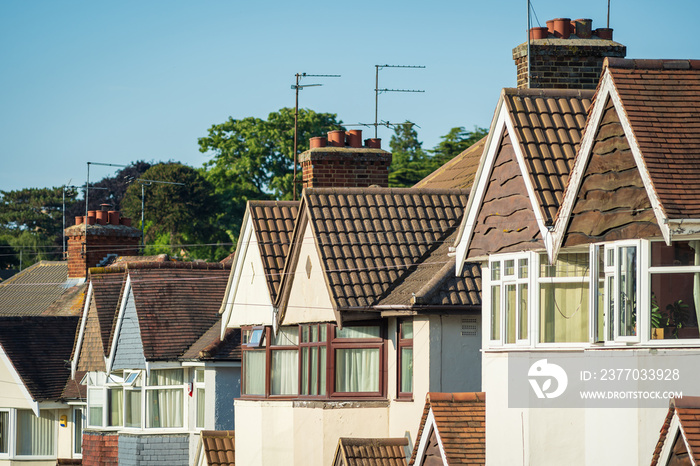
[582, 28]
[113, 217]
[336, 138]
[102, 217]
[318, 141]
[90, 220]
[126, 221]
[91, 213]
[354, 138]
[550, 26]
[373, 143]
[604, 33]
[105, 207]
[562, 28]
[79, 219]
[538, 33]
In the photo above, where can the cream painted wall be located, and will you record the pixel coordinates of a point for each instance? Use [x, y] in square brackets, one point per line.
[249, 298]
[14, 395]
[309, 300]
[576, 436]
[65, 434]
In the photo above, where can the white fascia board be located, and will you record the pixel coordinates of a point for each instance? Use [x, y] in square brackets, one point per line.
[81, 333]
[118, 325]
[236, 271]
[4, 359]
[673, 429]
[481, 181]
[607, 89]
[429, 427]
[683, 227]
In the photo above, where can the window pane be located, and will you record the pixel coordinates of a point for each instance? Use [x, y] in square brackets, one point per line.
[406, 370]
[164, 408]
[495, 270]
[523, 323]
[287, 336]
[199, 376]
[305, 371]
[305, 334]
[314, 370]
[77, 431]
[322, 370]
[254, 383]
[611, 308]
[314, 333]
[4, 431]
[95, 404]
[366, 331]
[522, 268]
[35, 435]
[407, 330]
[675, 302]
[200, 407]
[115, 402]
[132, 416]
[357, 370]
[284, 376]
[496, 312]
[600, 294]
[680, 253]
[567, 265]
[509, 267]
[323, 330]
[563, 312]
[627, 298]
[510, 313]
[166, 377]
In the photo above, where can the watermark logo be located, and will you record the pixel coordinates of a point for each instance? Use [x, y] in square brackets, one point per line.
[541, 375]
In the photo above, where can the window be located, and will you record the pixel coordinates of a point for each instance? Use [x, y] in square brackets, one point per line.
[316, 360]
[78, 431]
[36, 436]
[510, 300]
[314, 343]
[405, 355]
[563, 298]
[164, 398]
[4, 432]
[132, 399]
[95, 406]
[200, 397]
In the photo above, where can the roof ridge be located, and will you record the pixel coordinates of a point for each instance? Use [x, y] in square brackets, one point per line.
[650, 64]
[549, 92]
[378, 190]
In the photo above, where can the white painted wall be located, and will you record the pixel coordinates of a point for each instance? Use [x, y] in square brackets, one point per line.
[249, 301]
[309, 300]
[14, 395]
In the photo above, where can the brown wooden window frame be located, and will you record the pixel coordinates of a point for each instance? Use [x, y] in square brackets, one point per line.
[401, 344]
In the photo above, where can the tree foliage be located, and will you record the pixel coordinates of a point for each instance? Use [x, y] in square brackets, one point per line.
[409, 163]
[253, 158]
[179, 219]
[456, 141]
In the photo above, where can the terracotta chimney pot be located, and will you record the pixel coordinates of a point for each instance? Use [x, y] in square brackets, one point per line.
[538, 33]
[102, 217]
[354, 138]
[562, 28]
[126, 221]
[318, 141]
[336, 138]
[90, 220]
[79, 220]
[604, 33]
[113, 217]
[373, 143]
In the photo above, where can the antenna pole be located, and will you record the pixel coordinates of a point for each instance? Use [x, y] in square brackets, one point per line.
[528, 44]
[376, 99]
[608, 26]
[296, 119]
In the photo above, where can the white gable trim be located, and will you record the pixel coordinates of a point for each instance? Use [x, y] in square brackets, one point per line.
[673, 429]
[81, 333]
[118, 325]
[483, 174]
[5, 359]
[428, 428]
[607, 89]
[236, 271]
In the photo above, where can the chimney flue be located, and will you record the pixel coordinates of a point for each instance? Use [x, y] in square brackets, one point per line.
[318, 141]
[336, 138]
[562, 28]
[354, 138]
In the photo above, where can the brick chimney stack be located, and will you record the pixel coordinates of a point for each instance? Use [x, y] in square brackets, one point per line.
[107, 233]
[566, 54]
[340, 161]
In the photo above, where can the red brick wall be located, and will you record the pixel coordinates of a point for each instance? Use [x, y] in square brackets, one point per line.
[100, 449]
[347, 168]
[98, 247]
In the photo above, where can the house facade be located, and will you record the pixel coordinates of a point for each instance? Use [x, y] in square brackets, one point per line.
[357, 329]
[588, 254]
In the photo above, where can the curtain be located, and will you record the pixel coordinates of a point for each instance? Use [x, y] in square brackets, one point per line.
[254, 383]
[365, 331]
[116, 403]
[35, 435]
[563, 312]
[406, 370]
[95, 404]
[284, 376]
[165, 404]
[510, 313]
[132, 415]
[200, 407]
[77, 430]
[357, 370]
[696, 279]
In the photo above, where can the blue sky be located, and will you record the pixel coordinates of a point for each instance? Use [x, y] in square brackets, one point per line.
[115, 82]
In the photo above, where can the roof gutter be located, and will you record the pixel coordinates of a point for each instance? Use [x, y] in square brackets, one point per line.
[682, 227]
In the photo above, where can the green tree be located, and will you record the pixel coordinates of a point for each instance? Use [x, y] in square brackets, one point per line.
[253, 158]
[409, 163]
[179, 220]
[456, 141]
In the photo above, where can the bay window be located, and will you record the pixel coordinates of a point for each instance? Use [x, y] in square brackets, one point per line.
[315, 360]
[200, 396]
[165, 398]
[510, 299]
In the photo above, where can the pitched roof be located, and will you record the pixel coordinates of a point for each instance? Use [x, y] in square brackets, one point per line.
[31, 291]
[459, 172]
[176, 303]
[219, 447]
[211, 346]
[273, 222]
[368, 238]
[548, 124]
[460, 423]
[686, 410]
[661, 99]
[41, 366]
[370, 452]
[107, 290]
[73, 389]
[433, 282]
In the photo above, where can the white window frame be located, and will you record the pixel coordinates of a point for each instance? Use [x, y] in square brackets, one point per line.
[145, 407]
[83, 417]
[510, 280]
[195, 387]
[11, 426]
[13, 438]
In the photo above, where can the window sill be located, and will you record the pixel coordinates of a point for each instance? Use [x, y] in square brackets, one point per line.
[316, 404]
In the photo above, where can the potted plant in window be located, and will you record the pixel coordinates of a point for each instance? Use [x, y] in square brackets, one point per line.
[657, 331]
[677, 317]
